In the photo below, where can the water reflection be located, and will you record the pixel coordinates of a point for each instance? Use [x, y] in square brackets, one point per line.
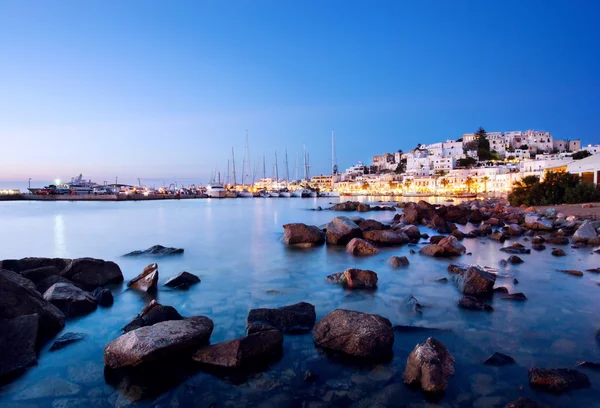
[60, 245]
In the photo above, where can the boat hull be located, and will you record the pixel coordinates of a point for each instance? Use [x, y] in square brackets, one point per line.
[216, 193]
[245, 194]
[285, 194]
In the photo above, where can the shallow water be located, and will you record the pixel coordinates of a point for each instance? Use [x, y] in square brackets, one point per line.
[233, 245]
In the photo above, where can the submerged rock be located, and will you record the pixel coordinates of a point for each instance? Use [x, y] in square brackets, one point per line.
[341, 230]
[17, 345]
[359, 246]
[71, 300]
[398, 261]
[475, 282]
[571, 272]
[355, 334]
[499, 359]
[159, 342]
[297, 318]
[258, 348]
[513, 259]
[557, 380]
[90, 273]
[429, 364]
[182, 281]
[516, 248]
[472, 303]
[538, 247]
[157, 250]
[66, 339]
[515, 296]
[302, 235]
[558, 252]
[413, 304]
[153, 313]
[147, 280]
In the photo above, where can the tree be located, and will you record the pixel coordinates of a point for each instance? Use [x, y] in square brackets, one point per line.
[485, 181]
[441, 173]
[407, 183]
[444, 182]
[467, 162]
[582, 154]
[365, 186]
[483, 145]
[392, 185]
[510, 158]
[401, 167]
[524, 147]
[494, 155]
[556, 188]
[469, 183]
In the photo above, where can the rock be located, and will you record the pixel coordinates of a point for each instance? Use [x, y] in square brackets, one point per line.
[38, 274]
[594, 241]
[341, 230]
[558, 252]
[515, 281]
[161, 341]
[147, 280]
[557, 380]
[50, 388]
[359, 246]
[515, 296]
[410, 215]
[358, 279]
[501, 289]
[471, 303]
[90, 273]
[525, 403]
[345, 206]
[594, 270]
[516, 248]
[412, 252]
[531, 210]
[297, 318]
[476, 216]
[66, 339]
[585, 232]
[24, 264]
[535, 222]
[413, 304]
[182, 281]
[429, 364]
[71, 300]
[537, 240]
[475, 282]
[497, 236]
[362, 207]
[586, 205]
[436, 239]
[302, 235]
[45, 284]
[571, 218]
[485, 229]
[18, 279]
[458, 234]
[398, 261]
[17, 345]
[156, 250]
[442, 280]
[571, 271]
[371, 225]
[258, 348]
[355, 334]
[557, 240]
[589, 364]
[386, 237]
[104, 297]
[310, 376]
[499, 359]
[538, 247]
[550, 212]
[153, 313]
[411, 231]
[493, 221]
[514, 260]
[451, 246]
[17, 300]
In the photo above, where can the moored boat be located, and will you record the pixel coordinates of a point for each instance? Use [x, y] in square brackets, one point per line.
[216, 190]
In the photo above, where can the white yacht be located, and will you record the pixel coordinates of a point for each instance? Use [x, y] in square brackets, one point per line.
[216, 190]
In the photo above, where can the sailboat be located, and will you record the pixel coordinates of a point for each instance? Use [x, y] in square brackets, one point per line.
[245, 168]
[334, 171]
[285, 192]
[231, 193]
[275, 193]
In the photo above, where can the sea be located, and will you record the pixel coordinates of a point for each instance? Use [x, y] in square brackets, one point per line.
[234, 246]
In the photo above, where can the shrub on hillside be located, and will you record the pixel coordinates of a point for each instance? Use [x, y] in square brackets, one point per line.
[556, 188]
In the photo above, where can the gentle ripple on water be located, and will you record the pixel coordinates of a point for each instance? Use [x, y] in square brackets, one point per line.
[233, 245]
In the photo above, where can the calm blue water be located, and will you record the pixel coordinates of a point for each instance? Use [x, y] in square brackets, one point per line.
[233, 245]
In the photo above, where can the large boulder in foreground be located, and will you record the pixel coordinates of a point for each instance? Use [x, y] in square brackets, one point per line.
[302, 235]
[341, 230]
[90, 273]
[162, 341]
[297, 318]
[156, 250]
[153, 313]
[146, 281]
[355, 334]
[17, 300]
[429, 364]
[255, 349]
[17, 345]
[386, 237]
[71, 300]
[24, 264]
[359, 246]
[475, 282]
[585, 232]
[557, 380]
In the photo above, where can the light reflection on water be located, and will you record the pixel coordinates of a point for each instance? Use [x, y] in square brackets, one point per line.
[234, 246]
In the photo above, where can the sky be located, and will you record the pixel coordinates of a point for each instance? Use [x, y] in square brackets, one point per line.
[164, 89]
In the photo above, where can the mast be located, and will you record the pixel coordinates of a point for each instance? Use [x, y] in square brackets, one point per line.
[247, 168]
[264, 168]
[296, 166]
[305, 162]
[334, 168]
[233, 165]
[227, 179]
[287, 169]
[276, 168]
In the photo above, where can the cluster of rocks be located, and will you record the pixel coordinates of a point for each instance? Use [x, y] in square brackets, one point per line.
[38, 294]
[360, 207]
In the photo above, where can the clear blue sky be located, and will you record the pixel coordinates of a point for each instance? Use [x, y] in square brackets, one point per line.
[164, 89]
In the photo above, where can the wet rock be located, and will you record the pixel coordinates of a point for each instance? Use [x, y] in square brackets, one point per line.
[345, 206]
[45, 284]
[356, 278]
[398, 261]
[182, 281]
[538, 247]
[161, 341]
[557, 240]
[514, 260]
[66, 339]
[24, 264]
[50, 387]
[386, 237]
[515, 281]
[446, 247]
[71, 300]
[571, 272]
[153, 313]
[310, 376]
[359, 246]
[17, 300]
[458, 234]
[594, 270]
[147, 280]
[362, 207]
[297, 318]
[525, 403]
[261, 348]
[515, 296]
[371, 225]
[589, 364]
[341, 230]
[558, 252]
[557, 380]
[355, 334]
[302, 235]
[410, 215]
[412, 252]
[537, 223]
[472, 303]
[17, 345]
[501, 289]
[515, 230]
[20, 280]
[411, 231]
[429, 364]
[436, 239]
[499, 359]
[585, 232]
[38, 274]
[413, 304]
[516, 248]
[485, 229]
[90, 273]
[442, 280]
[103, 296]
[157, 250]
[475, 282]
[497, 236]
